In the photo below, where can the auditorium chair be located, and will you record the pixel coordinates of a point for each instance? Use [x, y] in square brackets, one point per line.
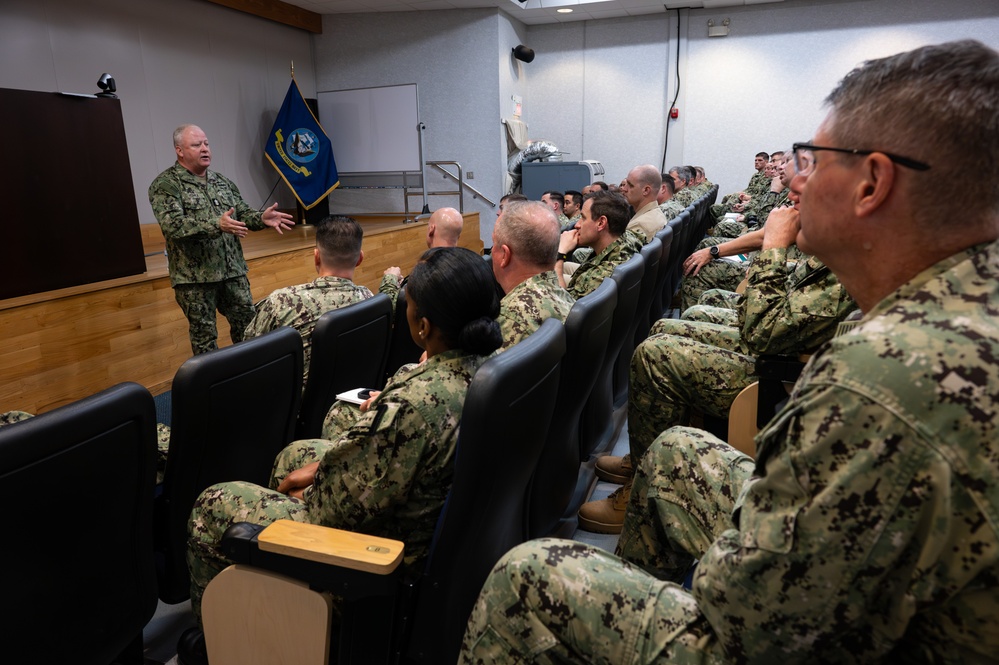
[663, 285]
[402, 348]
[553, 488]
[77, 485]
[256, 611]
[233, 411]
[598, 424]
[639, 329]
[349, 350]
[678, 252]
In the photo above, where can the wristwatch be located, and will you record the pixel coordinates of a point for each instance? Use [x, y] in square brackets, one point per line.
[563, 257]
[714, 251]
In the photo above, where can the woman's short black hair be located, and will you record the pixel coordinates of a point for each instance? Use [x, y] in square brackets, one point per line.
[453, 287]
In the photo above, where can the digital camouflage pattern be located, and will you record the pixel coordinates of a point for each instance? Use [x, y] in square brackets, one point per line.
[568, 223]
[387, 474]
[594, 270]
[683, 495]
[724, 316]
[527, 305]
[188, 209]
[300, 307]
[207, 269]
[390, 286]
[11, 417]
[685, 196]
[868, 532]
[671, 208]
[720, 298]
[790, 307]
[719, 273]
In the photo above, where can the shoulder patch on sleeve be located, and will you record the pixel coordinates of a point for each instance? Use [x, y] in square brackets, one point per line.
[385, 416]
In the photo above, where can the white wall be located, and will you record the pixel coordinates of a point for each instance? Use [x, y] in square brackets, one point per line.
[174, 61]
[762, 87]
[452, 57]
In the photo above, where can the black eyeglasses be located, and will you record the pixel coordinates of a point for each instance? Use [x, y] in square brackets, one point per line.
[804, 157]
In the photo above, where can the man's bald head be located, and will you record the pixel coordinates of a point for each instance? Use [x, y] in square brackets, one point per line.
[444, 228]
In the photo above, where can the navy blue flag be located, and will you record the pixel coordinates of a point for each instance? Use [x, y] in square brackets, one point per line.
[300, 150]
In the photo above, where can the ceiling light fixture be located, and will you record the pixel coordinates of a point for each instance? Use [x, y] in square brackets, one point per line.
[564, 10]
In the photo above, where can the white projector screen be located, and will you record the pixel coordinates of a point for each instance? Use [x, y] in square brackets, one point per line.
[373, 129]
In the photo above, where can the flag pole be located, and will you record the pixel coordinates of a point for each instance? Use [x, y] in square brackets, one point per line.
[293, 70]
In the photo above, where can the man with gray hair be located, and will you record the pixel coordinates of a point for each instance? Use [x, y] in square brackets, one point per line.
[525, 245]
[203, 216]
[682, 178]
[865, 530]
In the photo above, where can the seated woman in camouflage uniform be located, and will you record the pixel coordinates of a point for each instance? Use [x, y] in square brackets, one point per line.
[388, 472]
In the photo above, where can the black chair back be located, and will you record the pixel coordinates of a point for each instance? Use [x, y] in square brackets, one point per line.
[680, 225]
[349, 349]
[663, 285]
[587, 331]
[597, 426]
[651, 254]
[504, 421]
[402, 348]
[234, 410]
[78, 486]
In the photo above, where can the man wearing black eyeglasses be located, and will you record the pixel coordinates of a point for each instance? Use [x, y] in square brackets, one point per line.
[868, 530]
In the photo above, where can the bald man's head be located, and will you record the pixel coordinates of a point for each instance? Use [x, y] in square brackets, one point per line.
[444, 228]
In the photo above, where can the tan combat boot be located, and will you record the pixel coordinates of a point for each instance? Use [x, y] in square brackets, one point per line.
[606, 515]
[614, 469]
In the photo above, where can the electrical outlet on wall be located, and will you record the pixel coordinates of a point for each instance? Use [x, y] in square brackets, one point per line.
[470, 175]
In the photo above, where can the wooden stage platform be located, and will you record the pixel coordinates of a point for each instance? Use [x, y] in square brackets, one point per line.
[59, 346]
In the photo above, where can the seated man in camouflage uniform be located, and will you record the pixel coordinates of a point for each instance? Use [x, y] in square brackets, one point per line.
[671, 207]
[866, 530]
[203, 216]
[792, 305]
[573, 204]
[601, 227]
[443, 230]
[758, 184]
[337, 254]
[525, 244]
[702, 271]
[682, 178]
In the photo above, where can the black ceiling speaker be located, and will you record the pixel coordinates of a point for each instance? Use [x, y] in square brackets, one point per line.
[523, 53]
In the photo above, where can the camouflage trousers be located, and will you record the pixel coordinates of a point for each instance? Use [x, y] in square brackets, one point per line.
[718, 274]
[561, 601]
[231, 297]
[722, 316]
[11, 417]
[683, 365]
[729, 228]
[215, 510]
[682, 499]
[554, 601]
[220, 506]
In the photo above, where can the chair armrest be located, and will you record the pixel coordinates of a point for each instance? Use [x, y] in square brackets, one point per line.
[349, 564]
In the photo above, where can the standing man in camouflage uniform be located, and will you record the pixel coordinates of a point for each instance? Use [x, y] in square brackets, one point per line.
[792, 305]
[868, 531]
[203, 216]
[601, 227]
[525, 244]
[337, 254]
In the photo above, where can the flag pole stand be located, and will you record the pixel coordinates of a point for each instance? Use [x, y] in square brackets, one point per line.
[420, 128]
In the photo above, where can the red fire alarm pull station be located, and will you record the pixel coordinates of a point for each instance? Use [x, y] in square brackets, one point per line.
[674, 113]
